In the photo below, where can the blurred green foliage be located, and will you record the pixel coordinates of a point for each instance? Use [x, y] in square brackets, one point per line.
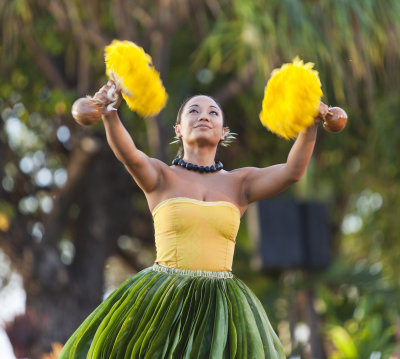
[355, 47]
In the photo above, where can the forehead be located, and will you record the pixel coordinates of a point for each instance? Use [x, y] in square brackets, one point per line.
[202, 101]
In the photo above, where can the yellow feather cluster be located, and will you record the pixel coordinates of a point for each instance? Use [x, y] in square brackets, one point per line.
[131, 68]
[291, 99]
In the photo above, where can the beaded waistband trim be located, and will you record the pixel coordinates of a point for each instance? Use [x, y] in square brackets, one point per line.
[190, 272]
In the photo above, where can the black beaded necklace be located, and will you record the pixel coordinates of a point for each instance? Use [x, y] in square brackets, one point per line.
[177, 161]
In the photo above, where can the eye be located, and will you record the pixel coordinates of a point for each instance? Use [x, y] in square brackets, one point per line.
[193, 110]
[214, 112]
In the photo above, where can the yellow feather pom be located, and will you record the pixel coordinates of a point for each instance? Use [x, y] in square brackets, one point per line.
[291, 99]
[131, 68]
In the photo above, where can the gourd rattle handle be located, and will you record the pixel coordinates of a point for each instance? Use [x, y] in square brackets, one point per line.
[335, 119]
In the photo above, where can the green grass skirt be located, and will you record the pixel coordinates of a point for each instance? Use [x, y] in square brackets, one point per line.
[164, 312]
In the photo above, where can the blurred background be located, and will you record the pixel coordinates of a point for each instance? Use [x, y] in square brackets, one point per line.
[74, 225]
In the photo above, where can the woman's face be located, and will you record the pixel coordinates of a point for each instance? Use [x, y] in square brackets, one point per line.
[201, 122]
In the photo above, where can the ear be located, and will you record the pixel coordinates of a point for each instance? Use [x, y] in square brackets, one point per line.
[178, 130]
[223, 134]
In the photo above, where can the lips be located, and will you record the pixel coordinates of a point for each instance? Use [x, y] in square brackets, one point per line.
[203, 126]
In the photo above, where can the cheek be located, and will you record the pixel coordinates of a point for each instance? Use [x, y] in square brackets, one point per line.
[187, 122]
[184, 126]
[219, 123]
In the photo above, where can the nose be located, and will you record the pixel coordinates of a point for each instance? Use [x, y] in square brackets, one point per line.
[203, 117]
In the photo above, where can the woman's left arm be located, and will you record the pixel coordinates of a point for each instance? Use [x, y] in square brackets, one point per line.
[259, 183]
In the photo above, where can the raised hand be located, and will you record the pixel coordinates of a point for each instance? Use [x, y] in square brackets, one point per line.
[109, 97]
[322, 111]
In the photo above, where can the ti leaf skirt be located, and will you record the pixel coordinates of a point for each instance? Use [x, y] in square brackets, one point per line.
[164, 312]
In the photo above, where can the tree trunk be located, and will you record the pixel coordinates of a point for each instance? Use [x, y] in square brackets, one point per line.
[60, 296]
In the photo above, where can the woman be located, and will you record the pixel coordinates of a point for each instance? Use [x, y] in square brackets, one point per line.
[189, 304]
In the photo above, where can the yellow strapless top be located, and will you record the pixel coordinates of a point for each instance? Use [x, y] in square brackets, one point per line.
[196, 235]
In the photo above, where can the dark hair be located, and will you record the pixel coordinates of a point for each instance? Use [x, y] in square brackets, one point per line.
[179, 116]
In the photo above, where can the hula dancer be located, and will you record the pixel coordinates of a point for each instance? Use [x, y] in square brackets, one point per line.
[189, 304]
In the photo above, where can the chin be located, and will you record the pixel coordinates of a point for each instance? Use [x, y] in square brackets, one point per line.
[205, 140]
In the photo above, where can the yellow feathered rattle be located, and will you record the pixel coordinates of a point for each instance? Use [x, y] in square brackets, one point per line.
[131, 69]
[292, 99]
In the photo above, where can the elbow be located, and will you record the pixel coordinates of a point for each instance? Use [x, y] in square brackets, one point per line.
[293, 180]
[295, 176]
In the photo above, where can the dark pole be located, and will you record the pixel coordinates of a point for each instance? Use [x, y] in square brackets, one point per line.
[398, 338]
[317, 350]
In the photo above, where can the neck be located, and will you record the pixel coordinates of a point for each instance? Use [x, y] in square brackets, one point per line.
[199, 156]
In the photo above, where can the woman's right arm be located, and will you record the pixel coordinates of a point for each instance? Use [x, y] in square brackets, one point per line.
[146, 171]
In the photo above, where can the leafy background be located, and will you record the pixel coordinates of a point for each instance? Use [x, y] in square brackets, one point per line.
[72, 222]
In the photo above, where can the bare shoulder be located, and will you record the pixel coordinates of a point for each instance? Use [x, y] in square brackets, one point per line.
[159, 164]
[245, 172]
[240, 173]
[236, 178]
[248, 180]
[167, 174]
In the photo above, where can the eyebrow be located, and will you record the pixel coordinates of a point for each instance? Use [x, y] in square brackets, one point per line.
[208, 106]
